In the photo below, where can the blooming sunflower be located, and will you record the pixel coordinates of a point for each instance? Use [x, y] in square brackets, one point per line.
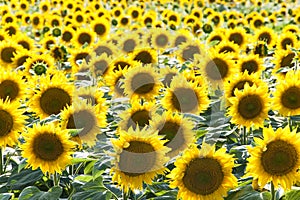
[93, 95]
[83, 36]
[101, 27]
[216, 35]
[238, 36]
[284, 59]
[275, 158]
[54, 93]
[12, 122]
[20, 58]
[181, 36]
[176, 129]
[287, 95]
[139, 157]
[47, 147]
[185, 97]
[228, 47]
[251, 63]
[203, 174]
[161, 39]
[115, 80]
[137, 116]
[77, 56]
[129, 42]
[99, 65]
[37, 20]
[250, 106]
[24, 41]
[39, 64]
[168, 74]
[106, 47]
[188, 50]
[141, 82]
[8, 50]
[145, 55]
[83, 115]
[285, 40]
[12, 86]
[67, 35]
[266, 34]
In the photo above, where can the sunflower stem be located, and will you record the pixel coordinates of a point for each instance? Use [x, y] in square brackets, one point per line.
[290, 123]
[125, 197]
[272, 191]
[1, 161]
[55, 179]
[244, 135]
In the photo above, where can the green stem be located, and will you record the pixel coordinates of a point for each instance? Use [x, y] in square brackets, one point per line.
[272, 191]
[55, 179]
[290, 123]
[124, 195]
[245, 135]
[1, 161]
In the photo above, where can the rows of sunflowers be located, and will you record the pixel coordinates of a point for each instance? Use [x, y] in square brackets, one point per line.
[149, 99]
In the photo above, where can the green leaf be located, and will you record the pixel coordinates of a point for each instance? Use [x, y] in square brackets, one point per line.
[84, 178]
[6, 196]
[245, 193]
[30, 193]
[292, 195]
[24, 178]
[52, 194]
[88, 169]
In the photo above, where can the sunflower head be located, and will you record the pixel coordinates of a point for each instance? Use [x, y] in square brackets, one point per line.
[275, 158]
[47, 147]
[203, 174]
[140, 156]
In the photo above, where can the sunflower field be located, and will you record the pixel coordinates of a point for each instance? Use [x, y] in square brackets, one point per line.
[135, 100]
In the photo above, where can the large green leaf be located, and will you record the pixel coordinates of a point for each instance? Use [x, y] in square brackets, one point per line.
[292, 195]
[24, 178]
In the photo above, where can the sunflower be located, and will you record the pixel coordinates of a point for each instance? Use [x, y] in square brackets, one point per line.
[257, 22]
[83, 115]
[67, 35]
[275, 158]
[203, 174]
[47, 147]
[93, 95]
[37, 20]
[8, 18]
[54, 21]
[99, 65]
[185, 97]
[39, 64]
[12, 86]
[238, 81]
[287, 94]
[238, 36]
[168, 75]
[106, 48]
[137, 116]
[24, 41]
[251, 63]
[59, 53]
[83, 36]
[11, 28]
[101, 27]
[141, 82]
[129, 42]
[266, 34]
[216, 19]
[135, 12]
[285, 40]
[3, 35]
[176, 129]
[218, 67]
[7, 53]
[48, 41]
[44, 6]
[148, 18]
[181, 36]
[21, 57]
[79, 18]
[53, 95]
[161, 39]
[291, 28]
[12, 122]
[77, 56]
[115, 80]
[250, 106]
[122, 62]
[216, 35]
[139, 157]
[227, 47]
[188, 50]
[124, 21]
[144, 55]
[284, 59]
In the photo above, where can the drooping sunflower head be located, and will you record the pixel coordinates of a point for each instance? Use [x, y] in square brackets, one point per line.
[141, 82]
[53, 94]
[47, 147]
[276, 158]
[185, 97]
[203, 174]
[176, 129]
[284, 61]
[140, 156]
[11, 122]
[86, 117]
[250, 106]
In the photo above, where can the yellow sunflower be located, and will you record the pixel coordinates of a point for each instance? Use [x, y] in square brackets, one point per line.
[203, 174]
[77, 56]
[228, 47]
[53, 94]
[217, 68]
[106, 48]
[217, 35]
[283, 60]
[139, 157]
[24, 41]
[83, 36]
[188, 50]
[168, 74]
[250, 106]
[92, 95]
[20, 58]
[291, 28]
[161, 39]
[11, 29]
[286, 39]
[8, 50]
[83, 115]
[37, 20]
[115, 80]
[67, 35]
[47, 147]
[266, 34]
[181, 36]
[176, 129]
[39, 64]
[287, 95]
[137, 115]
[275, 158]
[144, 55]
[12, 86]
[12, 122]
[141, 82]
[101, 27]
[238, 36]
[185, 97]
[251, 63]
[128, 42]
